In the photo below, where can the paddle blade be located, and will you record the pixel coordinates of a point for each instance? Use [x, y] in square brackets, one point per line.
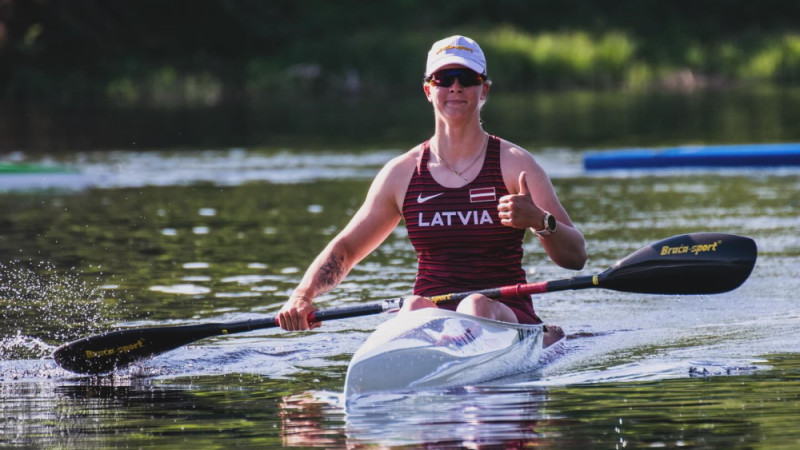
[106, 352]
[696, 263]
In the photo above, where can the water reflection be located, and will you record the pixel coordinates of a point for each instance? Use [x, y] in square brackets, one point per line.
[478, 417]
[306, 411]
[103, 413]
[578, 119]
[306, 420]
[705, 412]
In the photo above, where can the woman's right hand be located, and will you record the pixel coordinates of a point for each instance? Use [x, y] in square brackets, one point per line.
[294, 314]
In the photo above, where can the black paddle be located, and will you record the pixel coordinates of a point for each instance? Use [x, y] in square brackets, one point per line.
[697, 263]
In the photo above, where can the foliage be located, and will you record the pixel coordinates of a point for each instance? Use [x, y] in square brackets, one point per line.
[206, 52]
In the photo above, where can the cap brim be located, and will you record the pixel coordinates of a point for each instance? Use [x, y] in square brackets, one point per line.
[447, 60]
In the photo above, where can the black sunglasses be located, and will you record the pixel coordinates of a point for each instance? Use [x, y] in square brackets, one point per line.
[446, 78]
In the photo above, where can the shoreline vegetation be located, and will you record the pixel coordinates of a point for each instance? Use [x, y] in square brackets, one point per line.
[212, 53]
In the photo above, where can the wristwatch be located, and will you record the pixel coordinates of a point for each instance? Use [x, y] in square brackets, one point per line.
[549, 224]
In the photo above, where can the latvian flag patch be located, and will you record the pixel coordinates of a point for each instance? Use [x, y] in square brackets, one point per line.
[478, 195]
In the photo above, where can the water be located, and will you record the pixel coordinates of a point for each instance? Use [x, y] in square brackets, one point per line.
[160, 238]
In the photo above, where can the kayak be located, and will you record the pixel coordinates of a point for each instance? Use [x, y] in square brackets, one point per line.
[437, 348]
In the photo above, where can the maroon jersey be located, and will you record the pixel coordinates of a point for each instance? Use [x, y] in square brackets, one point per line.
[461, 244]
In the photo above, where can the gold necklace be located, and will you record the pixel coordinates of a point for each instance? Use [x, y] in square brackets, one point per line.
[461, 172]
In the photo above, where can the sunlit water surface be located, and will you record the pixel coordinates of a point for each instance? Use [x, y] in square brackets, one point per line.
[152, 239]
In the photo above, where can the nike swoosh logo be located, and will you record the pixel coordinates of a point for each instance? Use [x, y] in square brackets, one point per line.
[422, 199]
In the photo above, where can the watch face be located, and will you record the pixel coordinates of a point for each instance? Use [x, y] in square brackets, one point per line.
[551, 222]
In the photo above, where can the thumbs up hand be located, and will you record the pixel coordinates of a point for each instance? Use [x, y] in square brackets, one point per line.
[519, 210]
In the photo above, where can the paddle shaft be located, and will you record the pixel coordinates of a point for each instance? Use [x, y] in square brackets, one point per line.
[519, 290]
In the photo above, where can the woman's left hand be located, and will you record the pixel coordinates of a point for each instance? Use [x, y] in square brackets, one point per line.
[519, 210]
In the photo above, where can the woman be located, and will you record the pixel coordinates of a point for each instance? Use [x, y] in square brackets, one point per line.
[466, 197]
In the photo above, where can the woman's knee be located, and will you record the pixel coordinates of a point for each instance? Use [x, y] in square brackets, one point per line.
[482, 306]
[414, 302]
[475, 304]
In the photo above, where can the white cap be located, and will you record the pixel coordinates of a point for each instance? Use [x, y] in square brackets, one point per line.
[459, 50]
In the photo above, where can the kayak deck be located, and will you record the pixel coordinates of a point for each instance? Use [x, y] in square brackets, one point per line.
[437, 348]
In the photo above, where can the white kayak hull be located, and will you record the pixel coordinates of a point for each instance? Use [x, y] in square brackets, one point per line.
[438, 348]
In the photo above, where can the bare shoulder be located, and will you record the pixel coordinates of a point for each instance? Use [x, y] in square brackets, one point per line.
[392, 180]
[400, 168]
[515, 159]
[511, 149]
[406, 161]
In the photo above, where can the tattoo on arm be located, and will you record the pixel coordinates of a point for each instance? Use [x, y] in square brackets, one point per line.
[331, 271]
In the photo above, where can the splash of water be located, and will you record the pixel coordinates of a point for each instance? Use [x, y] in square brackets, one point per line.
[42, 306]
[19, 346]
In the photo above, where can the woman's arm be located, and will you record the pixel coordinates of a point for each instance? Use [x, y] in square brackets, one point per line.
[370, 226]
[531, 197]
